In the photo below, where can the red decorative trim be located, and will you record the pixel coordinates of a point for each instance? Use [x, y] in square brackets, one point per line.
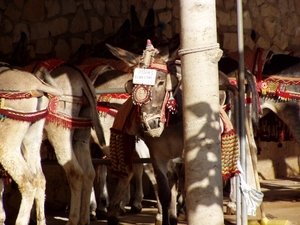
[53, 103]
[277, 87]
[104, 100]
[22, 116]
[248, 100]
[51, 64]
[233, 81]
[172, 104]
[285, 96]
[283, 80]
[141, 94]
[160, 67]
[108, 97]
[68, 122]
[19, 95]
[89, 69]
[28, 117]
[107, 110]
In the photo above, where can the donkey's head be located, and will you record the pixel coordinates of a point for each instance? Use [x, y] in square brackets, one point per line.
[152, 88]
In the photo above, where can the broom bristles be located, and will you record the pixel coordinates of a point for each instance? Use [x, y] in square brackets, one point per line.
[266, 221]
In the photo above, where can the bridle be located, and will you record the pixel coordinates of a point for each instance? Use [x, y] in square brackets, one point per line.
[142, 92]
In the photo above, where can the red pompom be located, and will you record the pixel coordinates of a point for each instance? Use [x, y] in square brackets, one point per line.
[172, 105]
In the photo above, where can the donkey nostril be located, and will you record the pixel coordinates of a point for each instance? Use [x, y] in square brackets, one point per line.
[154, 123]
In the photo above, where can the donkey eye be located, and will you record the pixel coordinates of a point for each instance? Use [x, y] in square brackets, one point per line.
[161, 83]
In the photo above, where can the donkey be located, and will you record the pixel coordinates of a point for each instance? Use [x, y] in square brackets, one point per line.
[109, 75]
[284, 72]
[286, 102]
[279, 71]
[24, 107]
[68, 129]
[161, 131]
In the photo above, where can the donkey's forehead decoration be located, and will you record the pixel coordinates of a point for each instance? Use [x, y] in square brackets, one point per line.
[148, 55]
[152, 79]
[145, 75]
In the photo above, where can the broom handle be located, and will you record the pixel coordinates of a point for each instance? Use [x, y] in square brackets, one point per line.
[253, 151]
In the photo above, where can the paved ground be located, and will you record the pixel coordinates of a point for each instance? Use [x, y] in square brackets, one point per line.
[281, 204]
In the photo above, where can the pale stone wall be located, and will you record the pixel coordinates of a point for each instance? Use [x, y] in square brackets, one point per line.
[59, 27]
[276, 161]
[276, 23]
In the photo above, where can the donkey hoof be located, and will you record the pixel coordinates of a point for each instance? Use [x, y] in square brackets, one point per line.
[158, 222]
[112, 220]
[158, 219]
[135, 210]
[93, 217]
[101, 215]
[32, 221]
[122, 211]
[173, 221]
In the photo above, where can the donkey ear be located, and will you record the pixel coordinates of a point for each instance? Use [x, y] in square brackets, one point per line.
[129, 58]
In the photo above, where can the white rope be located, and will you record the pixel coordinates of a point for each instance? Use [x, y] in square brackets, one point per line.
[203, 48]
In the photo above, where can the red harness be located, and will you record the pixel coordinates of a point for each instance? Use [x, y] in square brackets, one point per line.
[28, 117]
[59, 118]
[104, 103]
[21, 116]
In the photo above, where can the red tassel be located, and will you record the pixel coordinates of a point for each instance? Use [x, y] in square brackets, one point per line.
[171, 104]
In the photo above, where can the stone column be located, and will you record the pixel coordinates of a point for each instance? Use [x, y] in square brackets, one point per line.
[199, 56]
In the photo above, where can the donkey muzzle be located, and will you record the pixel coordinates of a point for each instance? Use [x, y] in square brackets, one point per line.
[153, 126]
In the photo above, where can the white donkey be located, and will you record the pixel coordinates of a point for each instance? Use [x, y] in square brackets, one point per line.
[23, 111]
[68, 129]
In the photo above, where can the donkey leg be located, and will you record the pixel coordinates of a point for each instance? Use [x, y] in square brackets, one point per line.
[143, 152]
[138, 171]
[2, 211]
[63, 148]
[27, 190]
[148, 168]
[164, 194]
[31, 152]
[102, 192]
[11, 158]
[125, 200]
[93, 205]
[100, 182]
[114, 206]
[82, 152]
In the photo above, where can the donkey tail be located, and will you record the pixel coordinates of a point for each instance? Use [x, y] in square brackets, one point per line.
[90, 93]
